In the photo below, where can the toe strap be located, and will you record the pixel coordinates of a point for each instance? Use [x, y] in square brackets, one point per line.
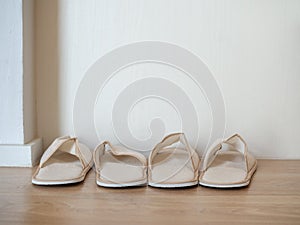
[235, 143]
[172, 139]
[116, 150]
[61, 144]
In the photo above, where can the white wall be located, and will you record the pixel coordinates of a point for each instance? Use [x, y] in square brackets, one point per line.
[17, 99]
[11, 72]
[251, 47]
[19, 145]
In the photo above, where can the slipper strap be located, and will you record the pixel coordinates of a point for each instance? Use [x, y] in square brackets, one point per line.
[236, 142]
[172, 139]
[59, 142]
[117, 151]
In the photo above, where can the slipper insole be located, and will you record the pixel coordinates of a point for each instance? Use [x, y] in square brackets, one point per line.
[121, 169]
[172, 165]
[227, 167]
[61, 166]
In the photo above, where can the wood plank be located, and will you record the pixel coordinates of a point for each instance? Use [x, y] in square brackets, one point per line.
[273, 197]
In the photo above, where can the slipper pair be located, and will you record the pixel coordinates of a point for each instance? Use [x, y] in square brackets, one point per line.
[172, 163]
[67, 161]
[226, 164]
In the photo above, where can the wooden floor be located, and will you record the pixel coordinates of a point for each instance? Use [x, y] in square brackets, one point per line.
[273, 197]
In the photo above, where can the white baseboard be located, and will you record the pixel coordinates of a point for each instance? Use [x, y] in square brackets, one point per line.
[26, 155]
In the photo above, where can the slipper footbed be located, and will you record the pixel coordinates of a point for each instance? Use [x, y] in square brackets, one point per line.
[61, 166]
[227, 168]
[121, 169]
[172, 166]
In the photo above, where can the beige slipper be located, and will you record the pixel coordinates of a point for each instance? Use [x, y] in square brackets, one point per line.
[117, 166]
[65, 161]
[170, 166]
[227, 164]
